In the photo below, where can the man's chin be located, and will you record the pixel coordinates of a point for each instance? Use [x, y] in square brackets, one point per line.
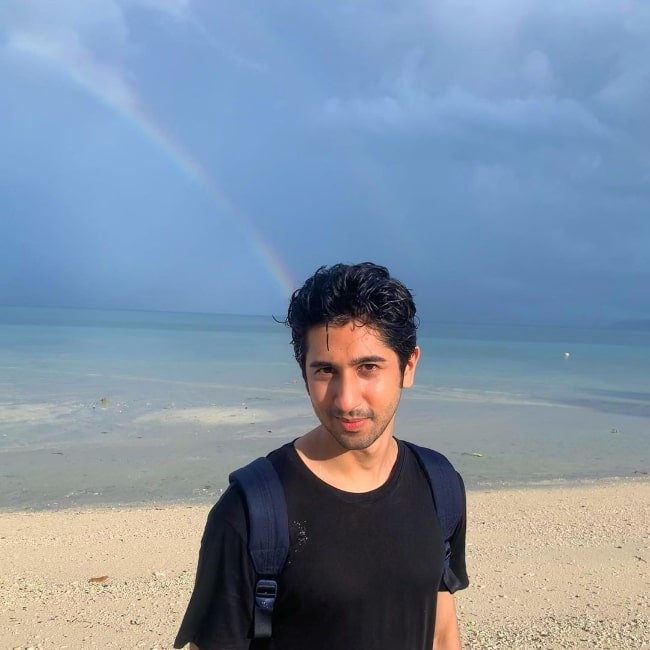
[354, 441]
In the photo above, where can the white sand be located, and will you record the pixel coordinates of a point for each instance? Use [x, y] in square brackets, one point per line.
[559, 567]
[33, 412]
[206, 416]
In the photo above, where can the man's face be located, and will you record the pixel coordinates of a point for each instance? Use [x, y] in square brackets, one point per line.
[354, 381]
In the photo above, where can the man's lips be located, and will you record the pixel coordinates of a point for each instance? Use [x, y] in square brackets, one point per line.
[352, 424]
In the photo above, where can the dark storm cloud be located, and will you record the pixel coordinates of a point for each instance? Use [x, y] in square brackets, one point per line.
[495, 154]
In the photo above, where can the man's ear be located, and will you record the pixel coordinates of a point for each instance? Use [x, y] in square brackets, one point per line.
[409, 370]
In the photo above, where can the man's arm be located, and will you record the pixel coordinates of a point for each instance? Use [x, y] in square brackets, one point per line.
[446, 635]
[219, 612]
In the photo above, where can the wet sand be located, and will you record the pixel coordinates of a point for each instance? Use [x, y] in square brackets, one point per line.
[553, 567]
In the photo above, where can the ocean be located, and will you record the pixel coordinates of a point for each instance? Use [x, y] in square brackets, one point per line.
[122, 407]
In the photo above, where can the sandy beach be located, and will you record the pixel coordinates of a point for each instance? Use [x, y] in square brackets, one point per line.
[551, 567]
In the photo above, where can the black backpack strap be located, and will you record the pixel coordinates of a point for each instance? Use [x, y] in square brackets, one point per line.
[448, 499]
[268, 538]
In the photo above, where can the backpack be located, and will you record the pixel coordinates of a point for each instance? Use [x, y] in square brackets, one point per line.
[268, 539]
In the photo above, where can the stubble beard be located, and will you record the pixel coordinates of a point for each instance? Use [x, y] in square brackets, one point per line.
[353, 441]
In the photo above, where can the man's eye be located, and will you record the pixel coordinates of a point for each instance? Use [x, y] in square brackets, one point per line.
[325, 370]
[369, 367]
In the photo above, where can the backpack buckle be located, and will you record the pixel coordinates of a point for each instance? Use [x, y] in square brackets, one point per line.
[265, 593]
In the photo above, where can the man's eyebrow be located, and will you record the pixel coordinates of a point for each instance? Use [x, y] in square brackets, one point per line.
[371, 358]
[320, 364]
[359, 361]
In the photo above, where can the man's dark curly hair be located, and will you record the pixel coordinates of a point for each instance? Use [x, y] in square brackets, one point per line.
[364, 293]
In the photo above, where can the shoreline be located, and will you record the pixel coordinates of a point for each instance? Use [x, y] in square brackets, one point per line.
[209, 500]
[550, 567]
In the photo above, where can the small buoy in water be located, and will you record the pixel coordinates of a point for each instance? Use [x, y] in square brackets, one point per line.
[567, 355]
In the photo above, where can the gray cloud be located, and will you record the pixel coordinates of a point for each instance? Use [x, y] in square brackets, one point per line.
[495, 153]
[456, 112]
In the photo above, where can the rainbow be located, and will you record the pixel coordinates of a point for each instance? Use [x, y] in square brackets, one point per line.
[104, 84]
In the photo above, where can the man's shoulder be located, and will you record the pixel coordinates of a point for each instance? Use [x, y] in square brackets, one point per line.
[249, 482]
[282, 452]
[229, 510]
[283, 458]
[431, 461]
[446, 484]
[425, 452]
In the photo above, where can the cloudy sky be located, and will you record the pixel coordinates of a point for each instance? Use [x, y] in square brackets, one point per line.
[192, 155]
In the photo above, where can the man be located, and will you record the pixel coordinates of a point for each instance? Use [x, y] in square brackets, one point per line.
[365, 565]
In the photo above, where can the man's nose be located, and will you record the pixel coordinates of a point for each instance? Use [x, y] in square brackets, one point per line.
[348, 393]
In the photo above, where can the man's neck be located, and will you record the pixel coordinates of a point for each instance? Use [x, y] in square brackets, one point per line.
[350, 470]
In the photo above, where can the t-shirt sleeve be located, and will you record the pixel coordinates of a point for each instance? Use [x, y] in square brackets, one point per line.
[457, 559]
[220, 612]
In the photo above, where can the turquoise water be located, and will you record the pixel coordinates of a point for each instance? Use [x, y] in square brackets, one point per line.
[101, 407]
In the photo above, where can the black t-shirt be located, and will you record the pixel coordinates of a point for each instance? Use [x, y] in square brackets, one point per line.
[363, 570]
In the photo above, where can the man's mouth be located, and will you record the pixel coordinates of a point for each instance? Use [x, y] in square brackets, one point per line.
[352, 424]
